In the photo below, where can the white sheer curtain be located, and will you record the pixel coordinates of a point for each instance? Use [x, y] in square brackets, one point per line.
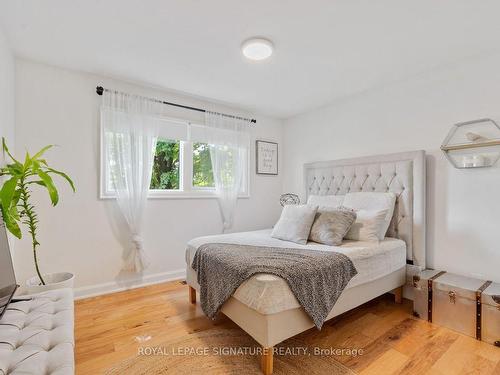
[130, 126]
[229, 140]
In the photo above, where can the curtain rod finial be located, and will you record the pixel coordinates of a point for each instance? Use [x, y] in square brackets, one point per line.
[99, 90]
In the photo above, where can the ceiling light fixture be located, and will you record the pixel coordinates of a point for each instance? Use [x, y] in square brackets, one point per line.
[257, 49]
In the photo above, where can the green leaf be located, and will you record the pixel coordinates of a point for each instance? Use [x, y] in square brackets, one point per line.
[41, 152]
[11, 224]
[16, 197]
[49, 184]
[14, 213]
[27, 161]
[65, 176]
[6, 149]
[38, 182]
[7, 192]
[13, 170]
[14, 228]
[35, 166]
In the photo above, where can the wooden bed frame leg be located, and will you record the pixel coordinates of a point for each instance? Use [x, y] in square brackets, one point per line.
[192, 295]
[266, 363]
[398, 295]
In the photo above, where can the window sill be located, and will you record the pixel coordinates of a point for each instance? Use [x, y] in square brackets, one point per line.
[178, 195]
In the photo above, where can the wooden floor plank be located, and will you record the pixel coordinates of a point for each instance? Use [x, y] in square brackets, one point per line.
[457, 357]
[424, 359]
[391, 362]
[496, 371]
[379, 346]
[417, 336]
[489, 352]
[479, 366]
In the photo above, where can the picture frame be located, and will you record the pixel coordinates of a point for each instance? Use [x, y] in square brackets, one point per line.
[266, 158]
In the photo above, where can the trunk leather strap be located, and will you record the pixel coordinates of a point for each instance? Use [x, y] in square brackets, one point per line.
[479, 308]
[429, 294]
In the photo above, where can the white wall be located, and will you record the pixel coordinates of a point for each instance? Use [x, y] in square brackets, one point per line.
[463, 205]
[6, 90]
[56, 106]
[7, 108]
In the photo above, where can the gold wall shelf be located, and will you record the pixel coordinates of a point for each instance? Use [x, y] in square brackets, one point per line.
[465, 146]
[473, 144]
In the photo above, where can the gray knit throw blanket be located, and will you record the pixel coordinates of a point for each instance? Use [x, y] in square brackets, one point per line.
[316, 278]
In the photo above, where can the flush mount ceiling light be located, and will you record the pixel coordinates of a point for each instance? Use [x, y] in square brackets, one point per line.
[257, 49]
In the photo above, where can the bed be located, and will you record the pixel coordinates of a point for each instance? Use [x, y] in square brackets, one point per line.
[264, 305]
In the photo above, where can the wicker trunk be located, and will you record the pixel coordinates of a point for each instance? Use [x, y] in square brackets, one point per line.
[490, 301]
[421, 293]
[455, 303]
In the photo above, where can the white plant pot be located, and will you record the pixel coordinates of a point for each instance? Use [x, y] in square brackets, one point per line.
[57, 280]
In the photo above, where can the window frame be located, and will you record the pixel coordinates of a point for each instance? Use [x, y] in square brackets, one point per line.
[186, 189]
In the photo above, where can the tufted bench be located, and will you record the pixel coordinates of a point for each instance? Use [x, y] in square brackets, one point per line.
[36, 336]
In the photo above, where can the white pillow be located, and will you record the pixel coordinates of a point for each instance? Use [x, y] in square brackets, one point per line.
[373, 201]
[367, 225]
[295, 223]
[330, 201]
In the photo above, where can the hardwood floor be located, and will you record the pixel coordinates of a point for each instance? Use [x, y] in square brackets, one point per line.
[110, 328]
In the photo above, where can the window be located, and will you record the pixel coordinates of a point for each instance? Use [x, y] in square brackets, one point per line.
[182, 165]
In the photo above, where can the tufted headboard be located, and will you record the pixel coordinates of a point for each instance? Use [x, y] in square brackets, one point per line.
[401, 173]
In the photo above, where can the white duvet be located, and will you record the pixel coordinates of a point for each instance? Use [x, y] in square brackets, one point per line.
[270, 294]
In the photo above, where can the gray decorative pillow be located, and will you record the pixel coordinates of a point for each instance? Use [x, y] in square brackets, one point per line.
[295, 223]
[330, 226]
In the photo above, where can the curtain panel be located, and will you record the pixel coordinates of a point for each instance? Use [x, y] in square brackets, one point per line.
[229, 141]
[130, 125]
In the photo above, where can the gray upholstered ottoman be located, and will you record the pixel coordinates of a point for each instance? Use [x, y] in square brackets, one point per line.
[36, 337]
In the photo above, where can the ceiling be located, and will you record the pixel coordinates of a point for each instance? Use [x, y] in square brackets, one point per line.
[325, 49]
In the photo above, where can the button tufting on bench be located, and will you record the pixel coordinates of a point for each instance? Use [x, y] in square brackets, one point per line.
[36, 337]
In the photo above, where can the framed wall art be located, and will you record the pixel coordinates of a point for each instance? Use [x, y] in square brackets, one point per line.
[266, 157]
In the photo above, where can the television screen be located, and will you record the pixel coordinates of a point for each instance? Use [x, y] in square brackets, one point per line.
[8, 283]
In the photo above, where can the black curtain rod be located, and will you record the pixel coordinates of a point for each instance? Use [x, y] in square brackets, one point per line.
[99, 90]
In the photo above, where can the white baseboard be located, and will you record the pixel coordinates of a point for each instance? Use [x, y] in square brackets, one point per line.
[118, 286]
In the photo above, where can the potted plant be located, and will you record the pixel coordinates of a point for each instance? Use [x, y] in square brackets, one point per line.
[18, 210]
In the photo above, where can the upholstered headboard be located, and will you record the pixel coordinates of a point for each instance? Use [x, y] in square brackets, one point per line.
[401, 173]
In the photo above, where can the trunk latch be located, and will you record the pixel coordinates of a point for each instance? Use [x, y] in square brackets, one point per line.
[453, 296]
